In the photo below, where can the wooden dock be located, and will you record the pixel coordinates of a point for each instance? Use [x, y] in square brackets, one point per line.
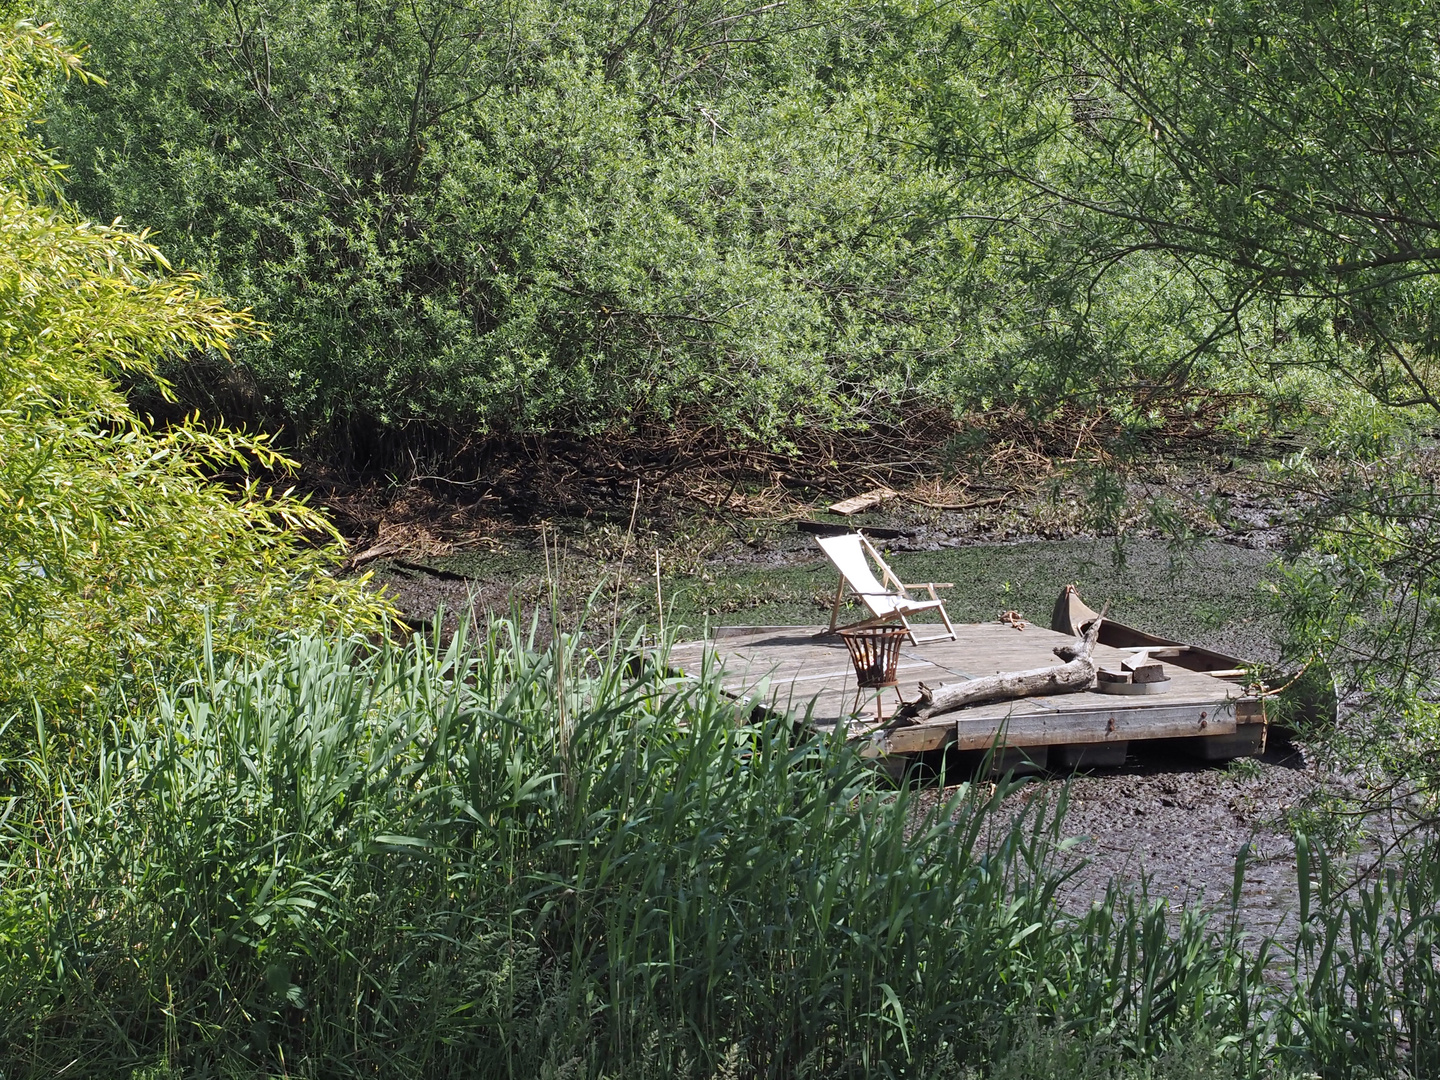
[797, 670]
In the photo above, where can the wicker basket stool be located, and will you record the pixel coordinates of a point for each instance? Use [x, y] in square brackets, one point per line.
[875, 652]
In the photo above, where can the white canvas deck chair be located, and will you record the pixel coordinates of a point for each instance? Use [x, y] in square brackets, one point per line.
[851, 553]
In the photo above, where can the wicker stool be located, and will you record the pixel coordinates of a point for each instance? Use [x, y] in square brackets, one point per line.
[875, 652]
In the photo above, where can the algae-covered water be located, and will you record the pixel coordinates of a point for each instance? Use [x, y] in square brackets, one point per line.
[1210, 593]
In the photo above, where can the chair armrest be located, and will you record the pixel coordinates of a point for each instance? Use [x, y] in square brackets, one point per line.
[932, 585]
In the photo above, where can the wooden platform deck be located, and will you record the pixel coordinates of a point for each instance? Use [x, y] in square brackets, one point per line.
[794, 669]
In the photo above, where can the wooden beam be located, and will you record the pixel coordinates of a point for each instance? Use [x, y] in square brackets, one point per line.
[839, 528]
[1071, 727]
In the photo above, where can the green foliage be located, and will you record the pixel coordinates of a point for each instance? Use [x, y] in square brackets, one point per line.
[603, 217]
[115, 548]
[511, 861]
[12, 11]
[1371, 989]
[600, 217]
[1046, 1054]
[1275, 156]
[531, 216]
[1362, 598]
[1277, 160]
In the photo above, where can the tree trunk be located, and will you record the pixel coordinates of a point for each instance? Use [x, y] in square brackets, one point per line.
[1078, 673]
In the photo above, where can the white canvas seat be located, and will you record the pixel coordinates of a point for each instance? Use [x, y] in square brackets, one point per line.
[851, 553]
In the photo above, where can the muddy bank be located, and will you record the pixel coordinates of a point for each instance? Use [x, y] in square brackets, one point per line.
[731, 547]
[1178, 826]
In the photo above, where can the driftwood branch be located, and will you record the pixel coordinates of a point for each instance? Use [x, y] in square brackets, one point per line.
[1077, 673]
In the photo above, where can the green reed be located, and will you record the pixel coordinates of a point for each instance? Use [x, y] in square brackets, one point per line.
[495, 858]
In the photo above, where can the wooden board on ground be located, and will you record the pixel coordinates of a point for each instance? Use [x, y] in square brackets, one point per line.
[796, 669]
[864, 501]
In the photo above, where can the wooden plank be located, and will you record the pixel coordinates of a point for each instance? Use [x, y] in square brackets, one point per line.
[1046, 729]
[1250, 711]
[724, 633]
[864, 501]
[1188, 693]
[1248, 740]
[833, 674]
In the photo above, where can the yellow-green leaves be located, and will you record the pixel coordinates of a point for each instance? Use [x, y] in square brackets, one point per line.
[116, 549]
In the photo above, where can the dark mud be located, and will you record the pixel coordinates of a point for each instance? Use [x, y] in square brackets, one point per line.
[1177, 827]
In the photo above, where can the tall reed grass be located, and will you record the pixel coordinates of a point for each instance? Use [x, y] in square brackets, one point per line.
[490, 858]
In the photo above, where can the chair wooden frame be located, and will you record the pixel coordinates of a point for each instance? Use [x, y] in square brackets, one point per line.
[887, 598]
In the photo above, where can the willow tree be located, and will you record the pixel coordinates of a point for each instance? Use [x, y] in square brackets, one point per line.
[119, 553]
[1281, 156]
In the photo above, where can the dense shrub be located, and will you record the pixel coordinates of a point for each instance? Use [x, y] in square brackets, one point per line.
[536, 216]
[541, 216]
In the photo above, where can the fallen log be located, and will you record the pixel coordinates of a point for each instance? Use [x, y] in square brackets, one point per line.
[1077, 673]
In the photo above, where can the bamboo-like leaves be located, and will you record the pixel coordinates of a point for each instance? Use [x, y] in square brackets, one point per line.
[115, 547]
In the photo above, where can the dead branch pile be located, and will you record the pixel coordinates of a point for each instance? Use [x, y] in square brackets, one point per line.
[933, 459]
